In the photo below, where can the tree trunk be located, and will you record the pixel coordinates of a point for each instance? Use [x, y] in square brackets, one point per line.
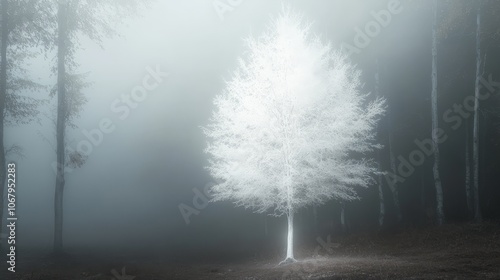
[435, 127]
[342, 218]
[422, 198]
[475, 142]
[381, 215]
[60, 127]
[468, 190]
[3, 93]
[393, 187]
[289, 243]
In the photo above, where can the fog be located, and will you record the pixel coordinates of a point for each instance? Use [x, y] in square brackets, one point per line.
[129, 190]
[146, 158]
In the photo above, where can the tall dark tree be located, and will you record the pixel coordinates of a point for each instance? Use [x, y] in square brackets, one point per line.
[381, 216]
[475, 136]
[393, 186]
[435, 128]
[468, 190]
[22, 25]
[94, 19]
[483, 20]
[62, 27]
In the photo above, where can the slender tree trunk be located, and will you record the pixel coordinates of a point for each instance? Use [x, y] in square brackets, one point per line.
[342, 218]
[468, 190]
[475, 147]
[393, 187]
[435, 127]
[289, 243]
[60, 127]
[381, 215]
[3, 93]
[422, 197]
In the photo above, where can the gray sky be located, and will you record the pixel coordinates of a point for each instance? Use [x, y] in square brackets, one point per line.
[136, 177]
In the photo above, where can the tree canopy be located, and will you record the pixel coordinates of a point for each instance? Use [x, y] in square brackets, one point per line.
[291, 124]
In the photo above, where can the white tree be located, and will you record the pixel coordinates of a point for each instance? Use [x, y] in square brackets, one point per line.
[289, 129]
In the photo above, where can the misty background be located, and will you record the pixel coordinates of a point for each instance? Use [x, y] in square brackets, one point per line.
[128, 193]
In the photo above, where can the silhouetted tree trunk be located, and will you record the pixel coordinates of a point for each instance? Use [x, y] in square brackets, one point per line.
[74, 19]
[468, 190]
[435, 127]
[60, 125]
[393, 187]
[475, 142]
[381, 215]
[343, 218]
[17, 34]
[422, 197]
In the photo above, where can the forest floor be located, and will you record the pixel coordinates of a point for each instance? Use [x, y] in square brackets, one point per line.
[465, 251]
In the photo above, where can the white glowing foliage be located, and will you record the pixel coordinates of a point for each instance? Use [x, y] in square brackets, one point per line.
[290, 126]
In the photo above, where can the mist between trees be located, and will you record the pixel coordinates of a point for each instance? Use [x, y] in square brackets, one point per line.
[455, 118]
